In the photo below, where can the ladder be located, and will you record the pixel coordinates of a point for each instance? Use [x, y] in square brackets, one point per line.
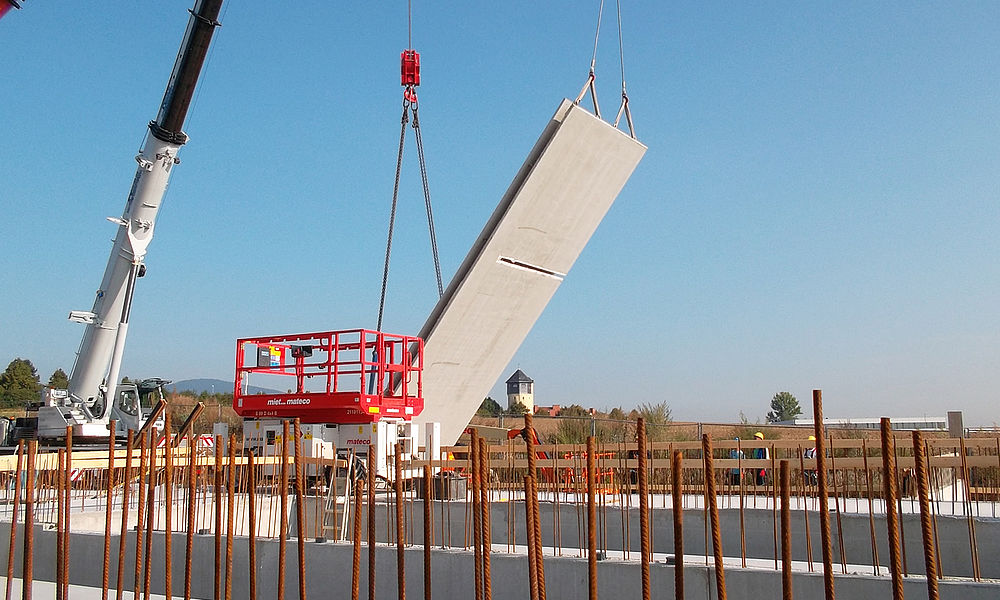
[336, 506]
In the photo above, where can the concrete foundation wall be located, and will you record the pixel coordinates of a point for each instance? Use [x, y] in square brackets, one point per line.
[450, 526]
[329, 566]
[758, 526]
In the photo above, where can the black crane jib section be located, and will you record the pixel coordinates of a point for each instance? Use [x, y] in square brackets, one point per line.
[177, 99]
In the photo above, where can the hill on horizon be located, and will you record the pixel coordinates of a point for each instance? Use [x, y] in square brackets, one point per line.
[209, 386]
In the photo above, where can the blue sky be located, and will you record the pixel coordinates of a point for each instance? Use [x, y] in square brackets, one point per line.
[818, 207]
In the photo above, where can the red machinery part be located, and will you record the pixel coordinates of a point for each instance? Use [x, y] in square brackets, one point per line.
[409, 68]
[349, 376]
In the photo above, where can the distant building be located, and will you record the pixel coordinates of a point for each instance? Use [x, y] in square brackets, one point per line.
[547, 411]
[521, 389]
[898, 423]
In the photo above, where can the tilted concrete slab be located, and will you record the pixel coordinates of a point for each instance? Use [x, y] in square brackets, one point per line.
[563, 190]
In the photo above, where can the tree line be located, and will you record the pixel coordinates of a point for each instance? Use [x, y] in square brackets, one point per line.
[20, 384]
[576, 423]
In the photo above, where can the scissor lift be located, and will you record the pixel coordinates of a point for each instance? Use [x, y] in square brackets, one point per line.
[350, 389]
[353, 376]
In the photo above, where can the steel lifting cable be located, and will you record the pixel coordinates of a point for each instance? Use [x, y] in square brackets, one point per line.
[621, 55]
[392, 211]
[591, 77]
[388, 244]
[589, 85]
[427, 198]
[409, 105]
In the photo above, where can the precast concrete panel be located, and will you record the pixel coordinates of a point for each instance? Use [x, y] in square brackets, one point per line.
[571, 177]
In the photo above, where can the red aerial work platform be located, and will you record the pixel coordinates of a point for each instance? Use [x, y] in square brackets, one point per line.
[350, 376]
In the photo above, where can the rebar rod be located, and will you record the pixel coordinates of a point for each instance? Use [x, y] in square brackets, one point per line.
[390, 530]
[68, 490]
[556, 523]
[283, 527]
[400, 533]
[168, 506]
[967, 488]
[217, 504]
[774, 509]
[804, 488]
[935, 509]
[467, 517]
[580, 509]
[27, 566]
[272, 484]
[477, 516]
[191, 513]
[372, 463]
[539, 554]
[252, 522]
[109, 488]
[626, 502]
[147, 570]
[126, 498]
[60, 522]
[926, 533]
[899, 511]
[318, 531]
[230, 515]
[676, 467]
[836, 505]
[713, 511]
[786, 532]
[410, 520]
[824, 503]
[529, 438]
[356, 540]
[591, 521]
[484, 506]
[640, 434]
[446, 540]
[871, 506]
[428, 531]
[300, 501]
[141, 516]
[529, 528]
[529, 443]
[891, 516]
[14, 513]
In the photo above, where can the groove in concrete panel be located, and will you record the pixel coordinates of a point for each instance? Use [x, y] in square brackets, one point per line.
[517, 264]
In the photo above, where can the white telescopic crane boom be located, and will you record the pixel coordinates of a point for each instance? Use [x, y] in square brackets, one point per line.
[96, 372]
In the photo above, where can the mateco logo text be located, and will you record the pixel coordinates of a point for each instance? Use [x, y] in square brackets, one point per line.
[289, 402]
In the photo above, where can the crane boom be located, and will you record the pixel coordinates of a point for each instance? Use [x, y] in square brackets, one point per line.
[6, 5]
[93, 382]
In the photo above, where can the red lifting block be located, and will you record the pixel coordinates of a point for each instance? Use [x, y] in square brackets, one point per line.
[409, 68]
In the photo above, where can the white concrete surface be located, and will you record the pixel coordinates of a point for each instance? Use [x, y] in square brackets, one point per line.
[47, 589]
[573, 174]
[327, 571]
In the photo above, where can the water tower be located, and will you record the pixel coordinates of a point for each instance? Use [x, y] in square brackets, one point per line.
[520, 388]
